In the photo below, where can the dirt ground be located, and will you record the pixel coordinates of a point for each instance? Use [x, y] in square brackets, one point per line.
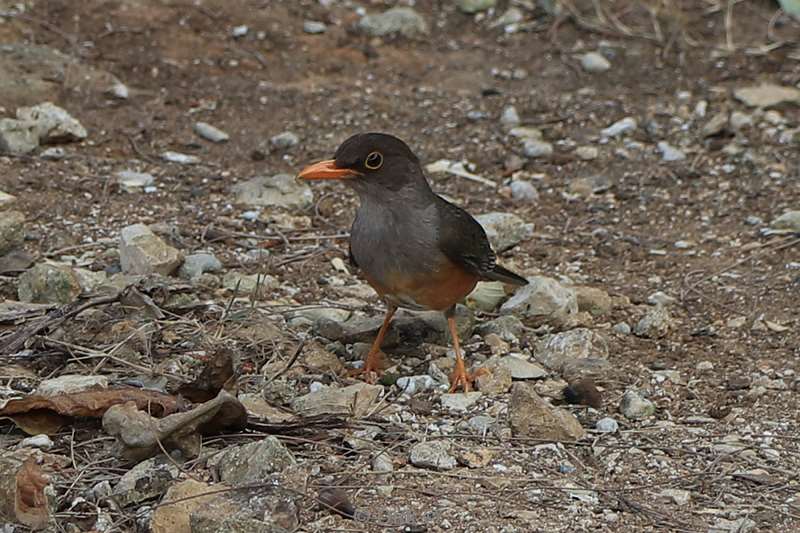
[736, 288]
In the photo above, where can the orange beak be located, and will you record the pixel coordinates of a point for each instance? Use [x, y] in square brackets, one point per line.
[326, 170]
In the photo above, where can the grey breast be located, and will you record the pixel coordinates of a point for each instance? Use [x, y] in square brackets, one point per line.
[395, 237]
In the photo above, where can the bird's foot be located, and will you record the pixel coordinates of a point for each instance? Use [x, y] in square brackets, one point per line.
[372, 369]
[461, 378]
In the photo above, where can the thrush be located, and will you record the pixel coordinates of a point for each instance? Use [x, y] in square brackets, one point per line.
[416, 249]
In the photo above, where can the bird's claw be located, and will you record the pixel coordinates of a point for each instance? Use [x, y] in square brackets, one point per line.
[461, 378]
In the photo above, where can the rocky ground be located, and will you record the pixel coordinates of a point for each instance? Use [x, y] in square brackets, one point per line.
[180, 315]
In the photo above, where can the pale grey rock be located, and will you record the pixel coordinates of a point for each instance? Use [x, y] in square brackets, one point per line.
[504, 230]
[210, 133]
[17, 137]
[397, 20]
[12, 230]
[594, 62]
[460, 401]
[253, 462]
[146, 480]
[143, 252]
[621, 127]
[48, 283]
[69, 383]
[434, 455]
[543, 297]
[199, 263]
[634, 407]
[52, 124]
[280, 190]
[474, 6]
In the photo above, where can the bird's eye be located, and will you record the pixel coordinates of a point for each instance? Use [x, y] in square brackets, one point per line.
[374, 161]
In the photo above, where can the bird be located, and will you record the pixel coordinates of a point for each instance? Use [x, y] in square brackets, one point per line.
[417, 250]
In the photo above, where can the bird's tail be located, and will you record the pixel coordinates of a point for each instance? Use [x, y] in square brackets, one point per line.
[499, 273]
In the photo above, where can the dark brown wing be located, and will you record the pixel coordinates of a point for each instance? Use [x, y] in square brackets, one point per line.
[463, 241]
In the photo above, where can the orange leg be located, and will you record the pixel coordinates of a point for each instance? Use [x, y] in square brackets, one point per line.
[459, 377]
[373, 362]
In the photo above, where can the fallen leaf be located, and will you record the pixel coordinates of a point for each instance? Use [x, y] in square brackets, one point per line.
[22, 492]
[216, 372]
[47, 414]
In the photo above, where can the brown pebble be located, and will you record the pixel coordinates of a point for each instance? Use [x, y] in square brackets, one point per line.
[583, 392]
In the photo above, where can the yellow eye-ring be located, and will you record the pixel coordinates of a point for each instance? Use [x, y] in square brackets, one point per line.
[374, 161]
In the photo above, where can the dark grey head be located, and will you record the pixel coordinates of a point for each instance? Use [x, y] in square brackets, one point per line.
[371, 162]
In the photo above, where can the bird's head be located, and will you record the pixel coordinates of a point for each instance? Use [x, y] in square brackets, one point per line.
[369, 161]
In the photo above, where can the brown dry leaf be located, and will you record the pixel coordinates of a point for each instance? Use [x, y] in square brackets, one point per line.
[218, 371]
[141, 436]
[22, 491]
[47, 414]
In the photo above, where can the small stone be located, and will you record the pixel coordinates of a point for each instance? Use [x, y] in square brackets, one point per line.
[683, 245]
[704, 366]
[12, 230]
[496, 381]
[146, 480]
[621, 127]
[42, 442]
[460, 401]
[17, 137]
[284, 140]
[474, 6]
[397, 20]
[239, 31]
[196, 264]
[280, 190]
[142, 252]
[678, 496]
[524, 191]
[434, 455]
[475, 458]
[131, 181]
[655, 324]
[740, 525]
[634, 407]
[594, 62]
[504, 230]
[790, 221]
[355, 399]
[411, 385]
[496, 344]
[669, 152]
[716, 125]
[661, 298]
[210, 133]
[587, 153]
[517, 367]
[47, 283]
[6, 200]
[542, 298]
[594, 301]
[179, 158]
[526, 132]
[480, 424]
[314, 27]
[314, 315]
[248, 283]
[532, 416]
[622, 328]
[510, 117]
[767, 95]
[69, 383]
[253, 462]
[607, 425]
[537, 149]
[509, 328]
[740, 121]
[54, 153]
[513, 15]
[120, 90]
[52, 124]
[486, 296]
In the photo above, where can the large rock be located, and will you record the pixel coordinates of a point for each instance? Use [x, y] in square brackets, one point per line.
[17, 137]
[45, 283]
[790, 220]
[504, 230]
[655, 324]
[543, 298]
[143, 252]
[254, 461]
[573, 352]
[52, 124]
[530, 415]
[12, 230]
[398, 20]
[767, 95]
[434, 455]
[280, 190]
[30, 74]
[353, 400]
[144, 481]
[474, 6]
